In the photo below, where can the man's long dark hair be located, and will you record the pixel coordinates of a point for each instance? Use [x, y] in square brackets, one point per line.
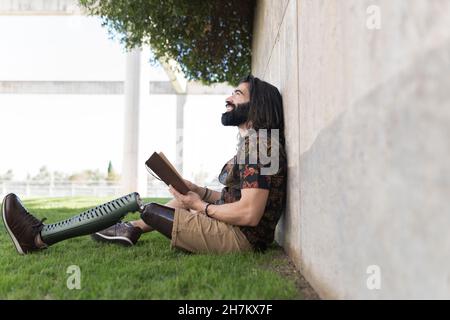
[266, 106]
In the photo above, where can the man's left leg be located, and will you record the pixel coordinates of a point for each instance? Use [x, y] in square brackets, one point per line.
[195, 232]
[128, 233]
[30, 234]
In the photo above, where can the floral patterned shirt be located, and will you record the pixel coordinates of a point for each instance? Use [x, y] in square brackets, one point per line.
[237, 174]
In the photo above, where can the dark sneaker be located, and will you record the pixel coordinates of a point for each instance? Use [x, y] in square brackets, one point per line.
[123, 233]
[20, 224]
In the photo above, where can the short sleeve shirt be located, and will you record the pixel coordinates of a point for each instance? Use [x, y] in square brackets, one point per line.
[247, 169]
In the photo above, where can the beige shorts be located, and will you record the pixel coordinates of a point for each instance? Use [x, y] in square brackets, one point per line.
[195, 232]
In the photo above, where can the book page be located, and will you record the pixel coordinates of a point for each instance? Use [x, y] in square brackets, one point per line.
[161, 154]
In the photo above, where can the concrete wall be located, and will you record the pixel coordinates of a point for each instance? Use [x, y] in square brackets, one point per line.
[368, 141]
[40, 7]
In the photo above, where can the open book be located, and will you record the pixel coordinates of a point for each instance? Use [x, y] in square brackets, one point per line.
[162, 167]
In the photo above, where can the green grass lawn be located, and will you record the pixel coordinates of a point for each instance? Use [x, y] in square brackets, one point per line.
[149, 270]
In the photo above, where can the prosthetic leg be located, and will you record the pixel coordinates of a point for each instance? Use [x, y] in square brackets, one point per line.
[159, 217]
[92, 220]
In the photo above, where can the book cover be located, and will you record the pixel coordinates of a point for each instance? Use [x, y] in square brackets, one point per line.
[162, 167]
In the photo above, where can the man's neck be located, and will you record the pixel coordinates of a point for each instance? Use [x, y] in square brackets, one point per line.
[243, 129]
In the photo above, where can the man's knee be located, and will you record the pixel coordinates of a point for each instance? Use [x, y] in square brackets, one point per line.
[174, 203]
[159, 217]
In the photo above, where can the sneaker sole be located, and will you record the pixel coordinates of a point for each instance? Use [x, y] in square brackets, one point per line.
[119, 240]
[13, 238]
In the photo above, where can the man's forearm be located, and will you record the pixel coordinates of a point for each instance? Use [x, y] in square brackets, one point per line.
[212, 197]
[234, 213]
[247, 211]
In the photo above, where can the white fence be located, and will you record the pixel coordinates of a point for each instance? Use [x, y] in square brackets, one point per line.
[58, 189]
[28, 189]
[31, 189]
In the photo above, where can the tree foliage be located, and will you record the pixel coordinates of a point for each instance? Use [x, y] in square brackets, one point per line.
[112, 176]
[210, 39]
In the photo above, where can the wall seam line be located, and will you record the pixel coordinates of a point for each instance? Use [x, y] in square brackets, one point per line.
[297, 9]
[276, 38]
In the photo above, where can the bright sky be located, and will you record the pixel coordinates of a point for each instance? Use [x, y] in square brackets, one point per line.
[75, 132]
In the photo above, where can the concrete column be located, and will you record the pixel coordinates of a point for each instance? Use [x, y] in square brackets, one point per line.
[181, 102]
[144, 151]
[131, 116]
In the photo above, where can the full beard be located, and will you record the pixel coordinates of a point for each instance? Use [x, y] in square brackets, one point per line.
[237, 116]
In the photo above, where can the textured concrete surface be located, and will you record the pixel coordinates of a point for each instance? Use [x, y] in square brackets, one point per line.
[368, 141]
[39, 7]
[104, 87]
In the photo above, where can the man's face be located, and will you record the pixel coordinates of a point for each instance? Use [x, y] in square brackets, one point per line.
[238, 106]
[239, 96]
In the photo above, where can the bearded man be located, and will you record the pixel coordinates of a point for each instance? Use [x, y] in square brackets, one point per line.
[241, 217]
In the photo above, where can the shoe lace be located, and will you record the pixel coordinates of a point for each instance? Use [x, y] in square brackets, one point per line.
[37, 224]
